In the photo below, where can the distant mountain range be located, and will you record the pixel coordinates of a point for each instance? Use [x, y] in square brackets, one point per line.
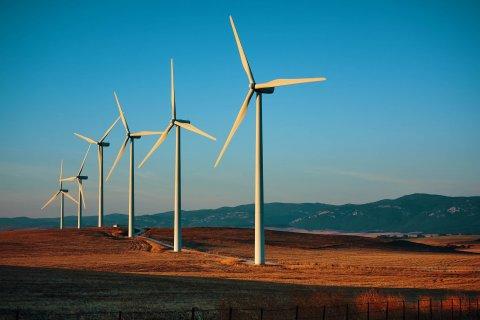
[412, 213]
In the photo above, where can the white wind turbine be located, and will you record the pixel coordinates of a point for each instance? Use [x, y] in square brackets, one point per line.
[100, 145]
[129, 137]
[177, 123]
[62, 192]
[81, 195]
[259, 89]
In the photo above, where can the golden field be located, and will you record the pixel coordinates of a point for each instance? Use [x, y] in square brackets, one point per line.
[101, 268]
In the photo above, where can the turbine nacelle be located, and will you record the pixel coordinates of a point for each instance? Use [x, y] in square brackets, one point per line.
[82, 177]
[265, 90]
[133, 135]
[64, 190]
[255, 87]
[180, 120]
[103, 144]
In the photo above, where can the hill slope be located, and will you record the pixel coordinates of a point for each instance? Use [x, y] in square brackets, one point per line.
[411, 213]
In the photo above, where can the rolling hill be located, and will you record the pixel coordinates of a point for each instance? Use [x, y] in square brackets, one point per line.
[412, 213]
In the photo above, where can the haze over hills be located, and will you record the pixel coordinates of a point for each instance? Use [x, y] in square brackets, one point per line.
[412, 213]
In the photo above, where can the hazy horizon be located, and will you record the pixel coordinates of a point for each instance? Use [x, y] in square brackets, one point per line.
[94, 214]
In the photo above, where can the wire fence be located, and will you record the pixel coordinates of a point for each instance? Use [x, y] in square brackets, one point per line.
[421, 309]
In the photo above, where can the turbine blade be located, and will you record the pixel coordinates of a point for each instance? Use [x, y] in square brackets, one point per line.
[83, 162]
[172, 91]
[85, 138]
[145, 133]
[61, 169]
[243, 57]
[157, 144]
[119, 156]
[192, 128]
[50, 200]
[70, 197]
[69, 179]
[122, 116]
[80, 187]
[236, 124]
[109, 129]
[61, 174]
[287, 82]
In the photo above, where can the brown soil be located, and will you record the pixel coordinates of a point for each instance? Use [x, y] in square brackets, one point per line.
[218, 267]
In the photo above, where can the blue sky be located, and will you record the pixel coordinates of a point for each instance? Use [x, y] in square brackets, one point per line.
[398, 114]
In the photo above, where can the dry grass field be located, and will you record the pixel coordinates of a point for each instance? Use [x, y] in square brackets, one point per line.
[98, 269]
[468, 243]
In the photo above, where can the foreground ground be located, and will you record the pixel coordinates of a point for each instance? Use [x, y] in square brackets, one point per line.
[101, 269]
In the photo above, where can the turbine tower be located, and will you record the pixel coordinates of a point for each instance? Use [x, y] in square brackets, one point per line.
[81, 195]
[177, 123]
[259, 89]
[62, 192]
[129, 137]
[100, 145]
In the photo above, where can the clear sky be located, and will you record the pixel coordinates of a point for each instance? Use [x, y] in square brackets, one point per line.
[399, 113]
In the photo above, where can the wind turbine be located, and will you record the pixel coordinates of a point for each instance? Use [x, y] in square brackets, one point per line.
[129, 137]
[177, 123]
[81, 196]
[62, 192]
[259, 89]
[100, 145]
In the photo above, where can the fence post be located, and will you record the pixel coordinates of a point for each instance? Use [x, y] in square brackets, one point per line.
[452, 308]
[403, 309]
[478, 314]
[119, 315]
[230, 313]
[296, 313]
[324, 313]
[368, 310]
[346, 312]
[430, 306]
[17, 314]
[459, 308]
[469, 309]
[418, 309]
[441, 309]
[261, 313]
[386, 311]
[193, 313]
